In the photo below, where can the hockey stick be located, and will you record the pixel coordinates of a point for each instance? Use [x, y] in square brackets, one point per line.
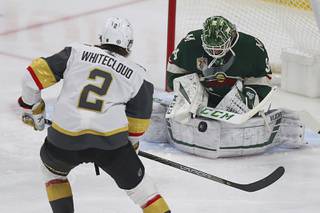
[213, 113]
[251, 187]
[234, 118]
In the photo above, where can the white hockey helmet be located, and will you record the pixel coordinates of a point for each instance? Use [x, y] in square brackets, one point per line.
[117, 31]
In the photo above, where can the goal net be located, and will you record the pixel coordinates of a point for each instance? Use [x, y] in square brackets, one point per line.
[278, 24]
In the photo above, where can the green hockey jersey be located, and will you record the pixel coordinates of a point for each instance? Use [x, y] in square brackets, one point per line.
[248, 61]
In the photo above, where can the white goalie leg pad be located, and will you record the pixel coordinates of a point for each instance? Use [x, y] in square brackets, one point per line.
[215, 139]
[143, 192]
[197, 137]
[292, 129]
[48, 176]
[157, 131]
[255, 136]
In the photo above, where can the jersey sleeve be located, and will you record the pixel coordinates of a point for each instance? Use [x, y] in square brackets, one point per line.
[262, 66]
[261, 78]
[177, 65]
[138, 111]
[48, 71]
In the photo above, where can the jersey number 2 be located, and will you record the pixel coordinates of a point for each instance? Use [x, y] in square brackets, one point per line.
[98, 90]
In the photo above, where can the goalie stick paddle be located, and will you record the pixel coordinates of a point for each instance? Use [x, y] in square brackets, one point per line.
[250, 187]
[234, 118]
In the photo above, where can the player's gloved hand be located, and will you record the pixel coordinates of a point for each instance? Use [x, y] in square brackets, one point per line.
[250, 97]
[33, 115]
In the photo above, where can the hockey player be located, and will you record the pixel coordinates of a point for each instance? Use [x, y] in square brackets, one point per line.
[221, 56]
[219, 67]
[103, 109]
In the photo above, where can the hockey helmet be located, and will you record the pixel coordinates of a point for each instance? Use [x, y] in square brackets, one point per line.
[117, 31]
[218, 36]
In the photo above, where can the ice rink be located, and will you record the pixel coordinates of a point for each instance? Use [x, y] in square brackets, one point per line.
[34, 28]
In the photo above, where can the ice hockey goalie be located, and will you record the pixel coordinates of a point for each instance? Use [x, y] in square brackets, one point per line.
[175, 119]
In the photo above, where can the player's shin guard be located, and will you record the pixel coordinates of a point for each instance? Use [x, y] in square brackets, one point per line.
[146, 195]
[59, 192]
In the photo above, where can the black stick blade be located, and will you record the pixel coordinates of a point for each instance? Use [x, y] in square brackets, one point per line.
[250, 187]
[260, 184]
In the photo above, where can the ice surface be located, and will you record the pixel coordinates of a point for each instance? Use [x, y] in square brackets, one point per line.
[39, 28]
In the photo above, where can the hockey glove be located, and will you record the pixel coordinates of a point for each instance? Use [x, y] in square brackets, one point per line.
[33, 115]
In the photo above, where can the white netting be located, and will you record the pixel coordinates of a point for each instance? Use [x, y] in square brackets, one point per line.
[278, 23]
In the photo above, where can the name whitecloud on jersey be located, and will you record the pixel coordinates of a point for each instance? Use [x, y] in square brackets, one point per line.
[106, 60]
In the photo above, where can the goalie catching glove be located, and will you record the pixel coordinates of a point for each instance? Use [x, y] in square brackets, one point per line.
[33, 115]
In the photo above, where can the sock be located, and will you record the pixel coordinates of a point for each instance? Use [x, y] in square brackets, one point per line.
[60, 196]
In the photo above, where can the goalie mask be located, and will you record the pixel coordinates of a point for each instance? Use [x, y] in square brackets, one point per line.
[218, 36]
[117, 31]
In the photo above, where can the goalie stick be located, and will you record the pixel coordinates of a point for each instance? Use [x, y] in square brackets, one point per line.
[226, 116]
[234, 118]
[250, 187]
[193, 108]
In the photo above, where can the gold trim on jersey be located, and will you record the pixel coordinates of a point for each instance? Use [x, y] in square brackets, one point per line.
[43, 72]
[138, 125]
[88, 131]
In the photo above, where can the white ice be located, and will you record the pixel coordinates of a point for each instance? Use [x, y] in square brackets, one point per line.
[33, 28]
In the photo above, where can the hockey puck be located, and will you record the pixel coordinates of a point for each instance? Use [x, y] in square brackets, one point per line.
[202, 127]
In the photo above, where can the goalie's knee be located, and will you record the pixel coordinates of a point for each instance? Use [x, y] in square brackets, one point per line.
[146, 195]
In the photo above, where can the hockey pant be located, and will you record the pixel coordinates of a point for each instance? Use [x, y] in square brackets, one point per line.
[122, 164]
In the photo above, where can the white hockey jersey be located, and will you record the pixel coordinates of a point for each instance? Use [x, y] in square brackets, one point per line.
[104, 96]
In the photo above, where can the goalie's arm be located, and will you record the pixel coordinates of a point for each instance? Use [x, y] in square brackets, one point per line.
[261, 86]
[173, 72]
[178, 62]
[259, 77]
